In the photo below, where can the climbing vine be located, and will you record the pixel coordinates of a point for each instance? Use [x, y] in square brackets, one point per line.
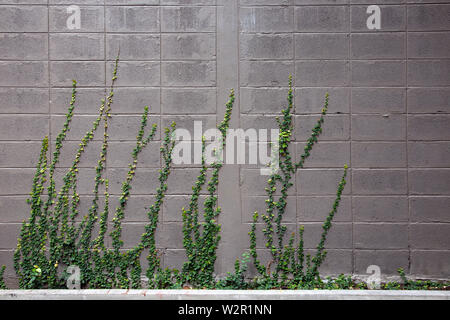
[53, 239]
[289, 262]
[202, 239]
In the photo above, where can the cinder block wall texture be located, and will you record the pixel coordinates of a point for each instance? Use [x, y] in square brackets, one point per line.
[389, 114]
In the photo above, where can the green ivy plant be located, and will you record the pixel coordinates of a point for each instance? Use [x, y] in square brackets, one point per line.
[52, 239]
[289, 262]
[201, 240]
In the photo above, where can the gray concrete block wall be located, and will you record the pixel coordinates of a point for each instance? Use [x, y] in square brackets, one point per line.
[389, 114]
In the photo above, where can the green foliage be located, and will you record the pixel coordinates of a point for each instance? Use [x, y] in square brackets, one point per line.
[202, 239]
[289, 262]
[2, 280]
[236, 280]
[52, 239]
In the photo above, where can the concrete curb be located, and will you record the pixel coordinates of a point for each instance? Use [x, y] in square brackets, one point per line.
[223, 295]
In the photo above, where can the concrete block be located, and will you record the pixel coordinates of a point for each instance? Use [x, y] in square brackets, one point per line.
[252, 183]
[335, 127]
[326, 154]
[428, 100]
[8, 235]
[133, 46]
[379, 73]
[428, 73]
[94, 2]
[378, 100]
[379, 182]
[429, 209]
[119, 155]
[314, 2]
[188, 46]
[132, 2]
[428, 154]
[85, 182]
[194, 73]
[136, 210]
[321, 46]
[170, 235]
[124, 127]
[258, 204]
[393, 18]
[262, 100]
[188, 19]
[189, 101]
[173, 205]
[91, 19]
[28, 73]
[187, 122]
[88, 100]
[16, 182]
[378, 155]
[181, 180]
[258, 122]
[174, 258]
[312, 100]
[380, 1]
[131, 234]
[265, 2]
[266, 46]
[429, 127]
[429, 45]
[7, 259]
[322, 73]
[322, 19]
[320, 182]
[145, 181]
[390, 127]
[90, 156]
[261, 238]
[337, 262]
[12, 127]
[431, 263]
[316, 209]
[266, 19]
[88, 73]
[132, 19]
[134, 73]
[430, 236]
[80, 46]
[21, 100]
[378, 46]
[23, 46]
[388, 260]
[429, 181]
[19, 154]
[265, 73]
[23, 19]
[380, 236]
[428, 17]
[80, 124]
[133, 100]
[339, 236]
[380, 209]
[14, 209]
[188, 2]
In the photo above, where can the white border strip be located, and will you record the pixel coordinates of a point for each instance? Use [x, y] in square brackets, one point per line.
[223, 295]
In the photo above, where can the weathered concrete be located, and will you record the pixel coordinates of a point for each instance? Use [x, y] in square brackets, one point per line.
[389, 115]
[222, 295]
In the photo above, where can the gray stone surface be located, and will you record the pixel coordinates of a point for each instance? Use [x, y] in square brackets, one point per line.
[389, 115]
